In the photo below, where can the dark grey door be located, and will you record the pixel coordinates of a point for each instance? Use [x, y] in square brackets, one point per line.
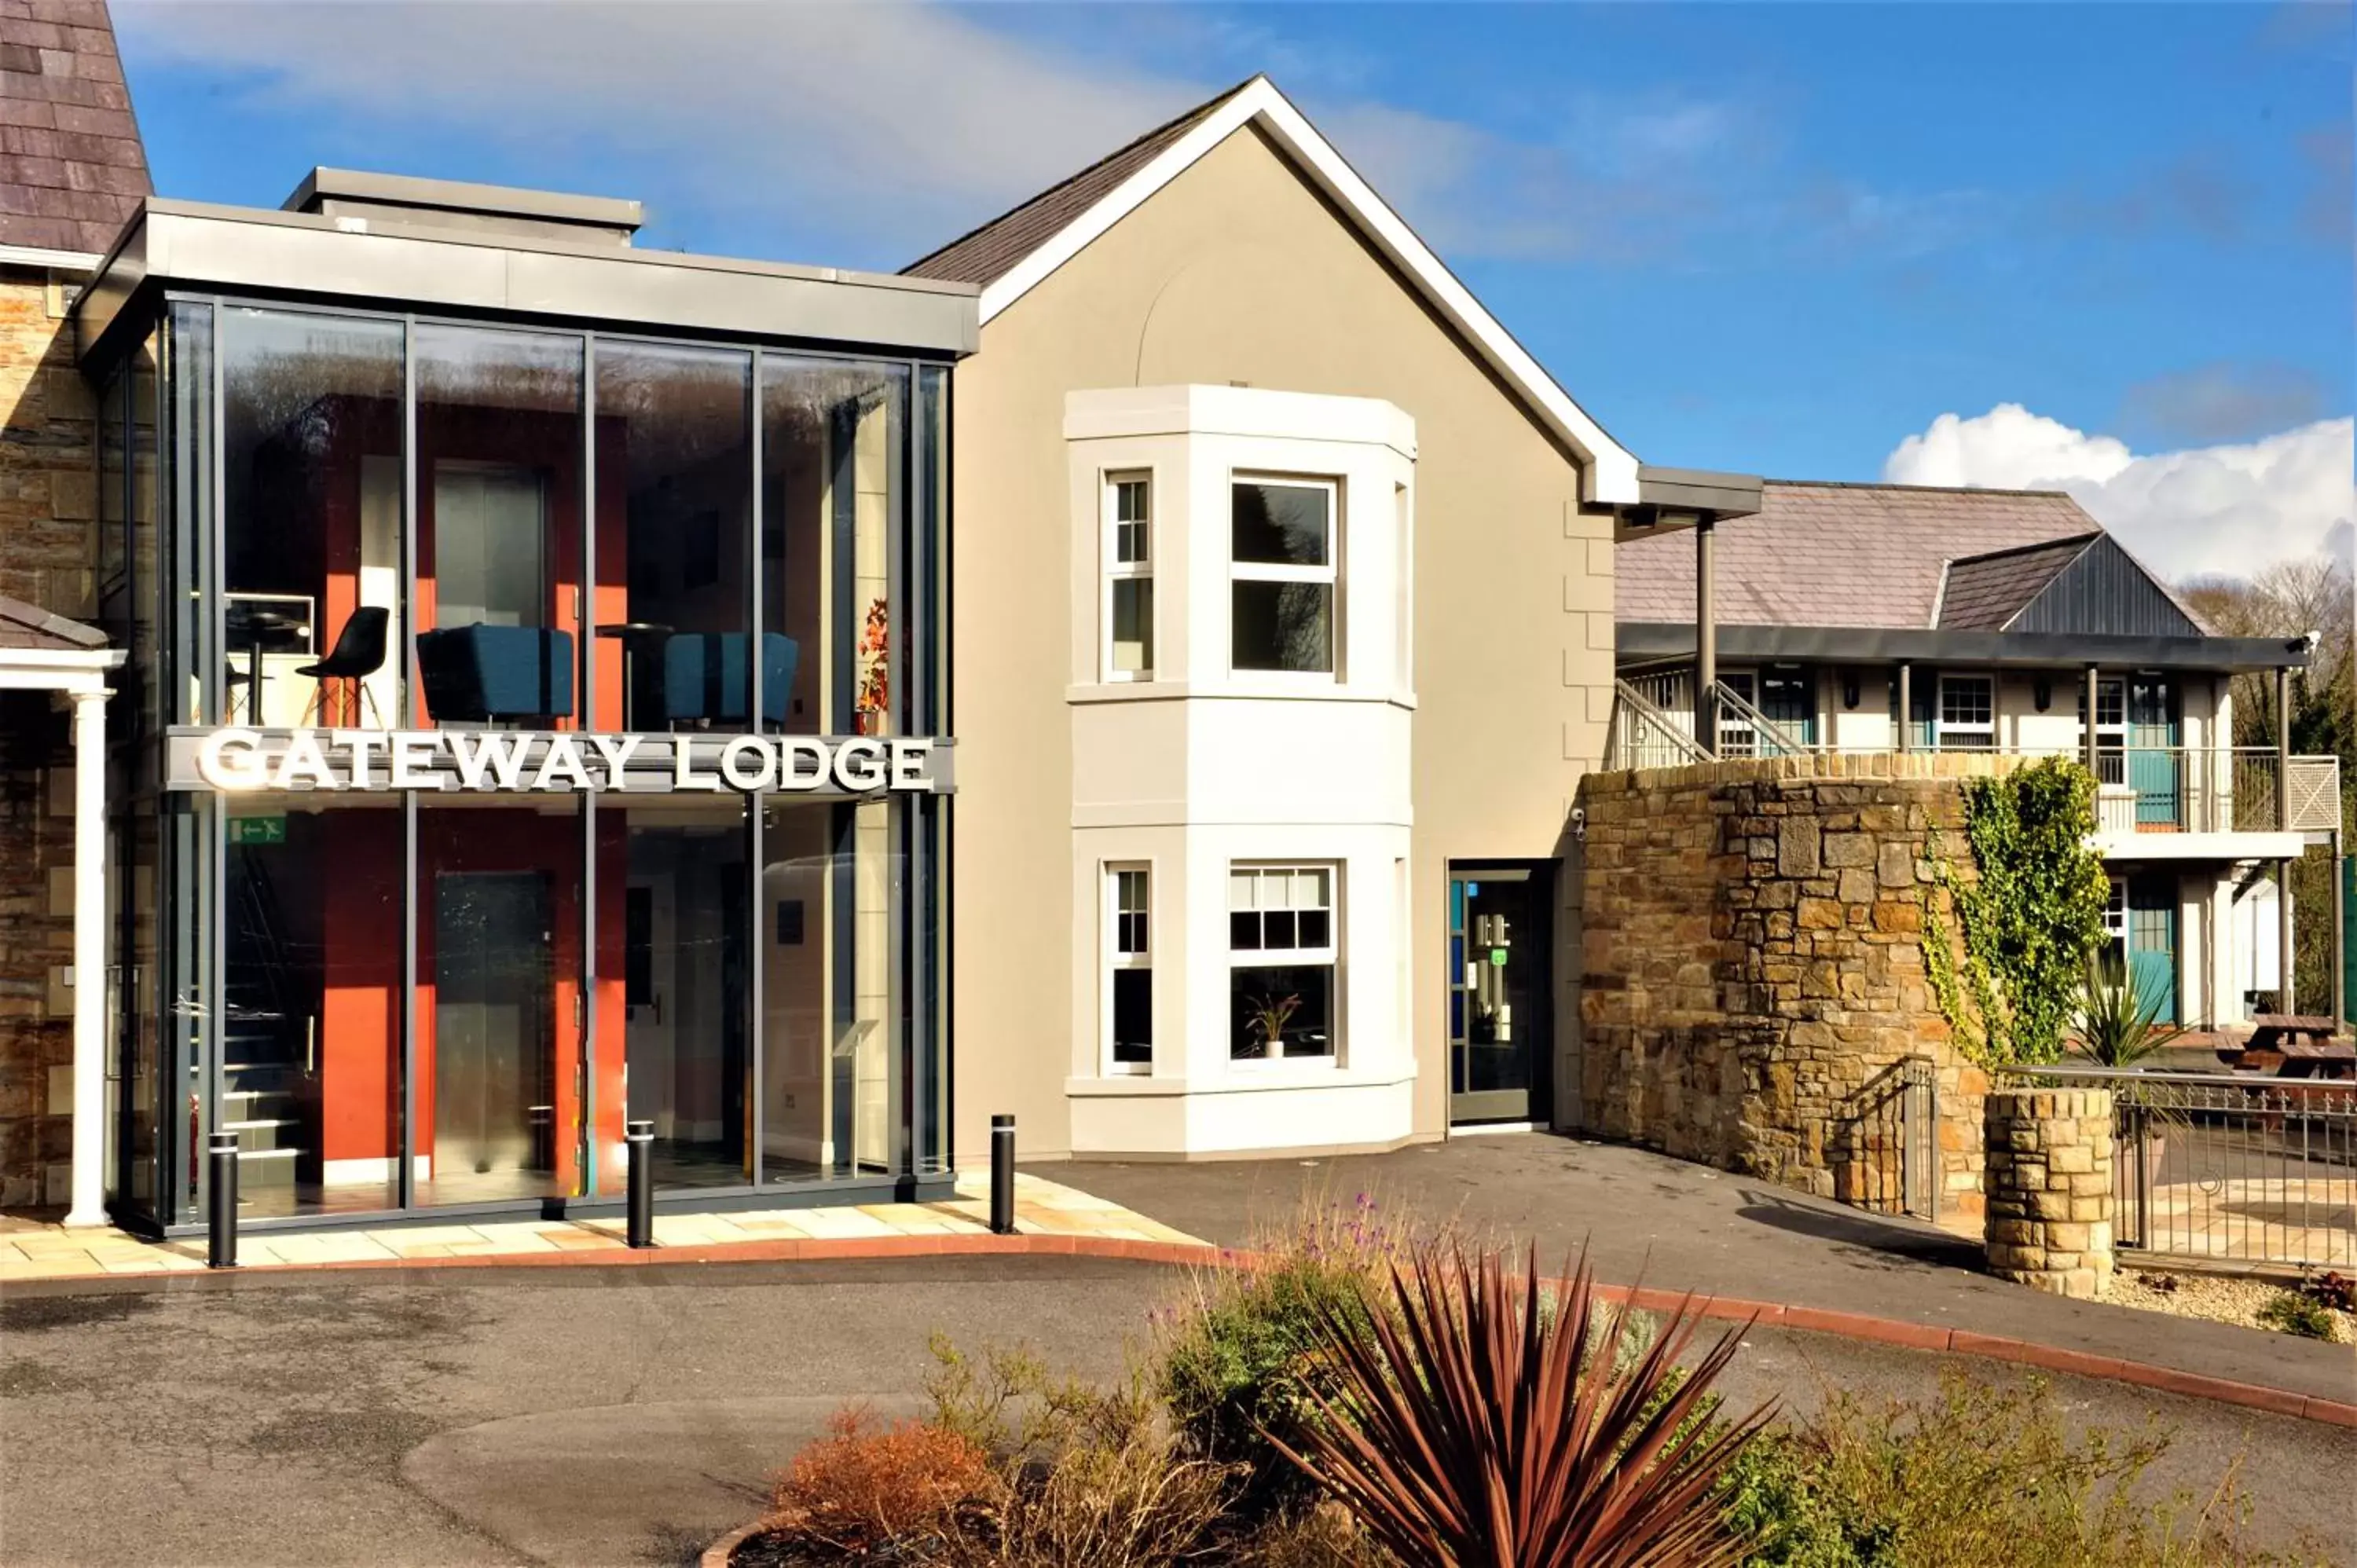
[1500, 1013]
[494, 1068]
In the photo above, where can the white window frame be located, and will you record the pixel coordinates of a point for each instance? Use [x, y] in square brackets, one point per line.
[2115, 919]
[1330, 573]
[1117, 570]
[1971, 738]
[1329, 955]
[1117, 957]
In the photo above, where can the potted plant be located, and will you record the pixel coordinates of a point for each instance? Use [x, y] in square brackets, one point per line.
[1268, 1016]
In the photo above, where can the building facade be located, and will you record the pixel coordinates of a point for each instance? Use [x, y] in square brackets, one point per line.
[1285, 636]
[1876, 619]
[533, 716]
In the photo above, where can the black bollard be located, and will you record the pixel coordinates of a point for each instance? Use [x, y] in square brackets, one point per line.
[220, 1250]
[640, 1138]
[1002, 1175]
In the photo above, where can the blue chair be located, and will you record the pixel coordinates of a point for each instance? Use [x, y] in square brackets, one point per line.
[705, 676]
[485, 673]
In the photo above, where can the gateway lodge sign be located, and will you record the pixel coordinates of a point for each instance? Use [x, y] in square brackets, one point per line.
[552, 761]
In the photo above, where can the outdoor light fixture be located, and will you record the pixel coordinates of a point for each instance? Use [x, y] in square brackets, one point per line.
[1849, 688]
[2043, 692]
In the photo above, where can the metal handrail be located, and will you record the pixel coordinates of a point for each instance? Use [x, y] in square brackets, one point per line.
[1730, 701]
[1628, 702]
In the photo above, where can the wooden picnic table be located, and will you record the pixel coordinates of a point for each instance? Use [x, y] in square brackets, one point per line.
[2294, 1045]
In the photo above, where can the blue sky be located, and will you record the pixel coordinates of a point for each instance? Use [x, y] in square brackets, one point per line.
[1788, 239]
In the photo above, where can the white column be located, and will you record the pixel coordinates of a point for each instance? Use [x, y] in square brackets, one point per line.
[90, 960]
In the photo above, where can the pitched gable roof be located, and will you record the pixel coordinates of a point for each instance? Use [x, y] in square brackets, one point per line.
[1983, 593]
[1013, 253]
[1903, 558]
[985, 255]
[72, 169]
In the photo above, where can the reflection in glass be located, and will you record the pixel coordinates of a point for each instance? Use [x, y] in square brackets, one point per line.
[311, 1026]
[499, 525]
[673, 994]
[828, 879]
[1282, 605]
[500, 1073]
[830, 434]
[311, 532]
[674, 454]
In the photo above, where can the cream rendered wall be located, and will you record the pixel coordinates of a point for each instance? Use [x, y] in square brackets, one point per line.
[1238, 271]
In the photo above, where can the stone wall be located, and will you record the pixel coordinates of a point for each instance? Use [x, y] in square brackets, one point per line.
[2050, 1190]
[48, 496]
[1752, 971]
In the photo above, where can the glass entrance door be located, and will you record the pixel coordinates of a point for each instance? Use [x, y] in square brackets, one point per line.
[494, 1070]
[1500, 1012]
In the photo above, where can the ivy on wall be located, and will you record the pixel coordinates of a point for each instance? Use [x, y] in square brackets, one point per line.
[2005, 968]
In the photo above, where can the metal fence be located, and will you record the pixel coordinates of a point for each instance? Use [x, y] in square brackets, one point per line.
[1886, 1149]
[2228, 1169]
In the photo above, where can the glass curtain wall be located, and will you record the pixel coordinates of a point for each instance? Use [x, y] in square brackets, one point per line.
[310, 526]
[458, 999]
[674, 600]
[833, 435]
[499, 524]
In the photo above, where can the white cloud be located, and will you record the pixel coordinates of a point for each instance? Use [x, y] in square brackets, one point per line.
[2223, 511]
[893, 125]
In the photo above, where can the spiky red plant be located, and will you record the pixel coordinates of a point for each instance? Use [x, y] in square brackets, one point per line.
[1470, 1429]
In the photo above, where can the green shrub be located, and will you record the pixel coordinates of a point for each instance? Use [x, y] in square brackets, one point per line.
[2290, 1312]
[1980, 1477]
[1238, 1357]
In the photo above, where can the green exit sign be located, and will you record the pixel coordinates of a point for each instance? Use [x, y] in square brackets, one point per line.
[257, 830]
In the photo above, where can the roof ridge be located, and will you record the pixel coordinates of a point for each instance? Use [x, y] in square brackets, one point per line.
[1186, 118]
[1936, 490]
[2054, 544]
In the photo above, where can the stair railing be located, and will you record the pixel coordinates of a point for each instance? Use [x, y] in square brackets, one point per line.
[1644, 736]
[1770, 738]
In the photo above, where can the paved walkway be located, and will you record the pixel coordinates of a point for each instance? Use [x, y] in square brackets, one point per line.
[1688, 1226]
[32, 1251]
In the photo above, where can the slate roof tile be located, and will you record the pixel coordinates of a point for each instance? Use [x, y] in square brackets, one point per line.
[72, 169]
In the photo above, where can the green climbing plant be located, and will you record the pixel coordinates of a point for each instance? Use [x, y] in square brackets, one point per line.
[2005, 953]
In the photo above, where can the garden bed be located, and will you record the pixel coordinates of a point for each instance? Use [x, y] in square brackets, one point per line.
[2225, 1298]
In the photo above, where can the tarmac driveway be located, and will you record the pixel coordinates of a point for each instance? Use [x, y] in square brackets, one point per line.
[625, 1416]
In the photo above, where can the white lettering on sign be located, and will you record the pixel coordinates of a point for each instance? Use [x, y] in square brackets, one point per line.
[518, 761]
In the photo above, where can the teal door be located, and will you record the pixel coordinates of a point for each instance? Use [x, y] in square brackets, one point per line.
[2155, 767]
[2152, 945]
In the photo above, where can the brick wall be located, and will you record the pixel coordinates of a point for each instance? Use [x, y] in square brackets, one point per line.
[1752, 972]
[48, 493]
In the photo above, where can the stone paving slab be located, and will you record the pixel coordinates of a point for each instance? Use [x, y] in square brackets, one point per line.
[30, 1250]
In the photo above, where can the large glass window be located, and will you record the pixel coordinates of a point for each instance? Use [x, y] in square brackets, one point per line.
[1281, 951]
[830, 875]
[502, 1082]
[311, 991]
[833, 436]
[499, 526]
[1283, 575]
[673, 997]
[1967, 713]
[311, 477]
[674, 599]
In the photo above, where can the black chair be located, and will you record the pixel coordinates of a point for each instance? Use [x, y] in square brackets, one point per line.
[358, 654]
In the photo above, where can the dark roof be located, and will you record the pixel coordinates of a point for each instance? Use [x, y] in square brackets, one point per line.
[1983, 593]
[985, 255]
[71, 166]
[1838, 554]
[30, 625]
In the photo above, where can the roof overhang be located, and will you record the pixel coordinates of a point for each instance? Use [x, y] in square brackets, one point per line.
[67, 671]
[1607, 471]
[179, 244]
[1640, 642]
[1672, 499]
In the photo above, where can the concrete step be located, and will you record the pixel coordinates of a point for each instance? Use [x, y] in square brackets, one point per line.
[264, 1134]
[266, 1168]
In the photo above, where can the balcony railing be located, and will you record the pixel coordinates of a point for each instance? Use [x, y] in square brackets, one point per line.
[2140, 789]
